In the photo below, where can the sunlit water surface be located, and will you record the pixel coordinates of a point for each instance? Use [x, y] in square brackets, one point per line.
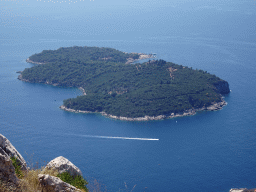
[211, 151]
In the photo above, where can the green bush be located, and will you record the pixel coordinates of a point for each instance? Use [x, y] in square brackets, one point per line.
[17, 167]
[77, 181]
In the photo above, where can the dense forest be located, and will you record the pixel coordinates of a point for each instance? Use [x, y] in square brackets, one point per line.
[152, 88]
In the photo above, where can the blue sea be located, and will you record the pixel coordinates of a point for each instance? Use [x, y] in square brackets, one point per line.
[208, 152]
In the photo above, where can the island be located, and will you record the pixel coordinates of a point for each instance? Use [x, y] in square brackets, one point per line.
[118, 88]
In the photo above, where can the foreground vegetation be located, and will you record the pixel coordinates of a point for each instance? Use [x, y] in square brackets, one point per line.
[77, 181]
[129, 90]
[28, 180]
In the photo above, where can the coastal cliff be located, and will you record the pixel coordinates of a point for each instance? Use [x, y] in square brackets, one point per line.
[222, 87]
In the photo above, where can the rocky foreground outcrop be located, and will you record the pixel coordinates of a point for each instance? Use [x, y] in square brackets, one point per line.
[8, 178]
[48, 183]
[9, 150]
[7, 170]
[61, 164]
[51, 183]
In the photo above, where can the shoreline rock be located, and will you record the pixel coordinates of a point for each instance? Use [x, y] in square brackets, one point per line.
[82, 89]
[141, 56]
[47, 82]
[33, 62]
[214, 107]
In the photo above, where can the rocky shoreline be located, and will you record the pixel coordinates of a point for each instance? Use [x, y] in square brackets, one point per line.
[21, 78]
[214, 107]
[33, 62]
[49, 83]
[44, 82]
[141, 56]
[82, 89]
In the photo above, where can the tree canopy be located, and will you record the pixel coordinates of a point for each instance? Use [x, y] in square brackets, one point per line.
[152, 88]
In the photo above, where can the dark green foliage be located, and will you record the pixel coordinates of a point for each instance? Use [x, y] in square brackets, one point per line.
[17, 167]
[81, 54]
[134, 90]
[77, 181]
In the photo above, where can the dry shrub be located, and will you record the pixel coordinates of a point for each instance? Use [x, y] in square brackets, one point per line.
[30, 182]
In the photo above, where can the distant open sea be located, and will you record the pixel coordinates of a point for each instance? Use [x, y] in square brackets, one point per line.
[208, 152]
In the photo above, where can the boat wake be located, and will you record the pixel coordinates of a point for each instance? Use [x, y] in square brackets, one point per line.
[124, 138]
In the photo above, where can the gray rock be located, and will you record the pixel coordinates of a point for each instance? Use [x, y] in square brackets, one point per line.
[62, 165]
[51, 183]
[7, 170]
[6, 148]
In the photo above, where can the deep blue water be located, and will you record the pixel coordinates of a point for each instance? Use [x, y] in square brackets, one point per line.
[211, 151]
